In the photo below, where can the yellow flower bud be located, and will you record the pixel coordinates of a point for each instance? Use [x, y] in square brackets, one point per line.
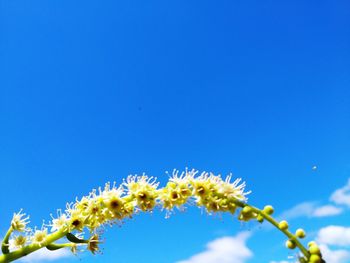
[246, 210]
[300, 233]
[311, 243]
[283, 225]
[260, 218]
[268, 209]
[314, 249]
[290, 244]
[315, 259]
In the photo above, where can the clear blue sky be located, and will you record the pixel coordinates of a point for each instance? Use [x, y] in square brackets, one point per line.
[91, 91]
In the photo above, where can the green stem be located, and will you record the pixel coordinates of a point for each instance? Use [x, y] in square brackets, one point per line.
[275, 224]
[31, 248]
[5, 241]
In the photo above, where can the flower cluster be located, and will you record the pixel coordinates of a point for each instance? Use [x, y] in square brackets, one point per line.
[19, 225]
[25, 235]
[112, 204]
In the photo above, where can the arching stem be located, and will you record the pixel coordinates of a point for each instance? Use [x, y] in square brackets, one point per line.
[271, 220]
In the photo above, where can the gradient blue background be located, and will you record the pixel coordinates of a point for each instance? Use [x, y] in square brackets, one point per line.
[91, 91]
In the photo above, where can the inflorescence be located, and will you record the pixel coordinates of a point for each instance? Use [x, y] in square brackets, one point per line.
[113, 204]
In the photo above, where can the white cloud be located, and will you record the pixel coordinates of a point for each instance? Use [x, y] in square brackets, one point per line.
[283, 261]
[43, 255]
[334, 235]
[300, 210]
[310, 209]
[327, 210]
[335, 255]
[342, 196]
[224, 250]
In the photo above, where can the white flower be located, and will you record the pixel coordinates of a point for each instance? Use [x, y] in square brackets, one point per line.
[19, 221]
[17, 242]
[234, 189]
[39, 236]
[59, 223]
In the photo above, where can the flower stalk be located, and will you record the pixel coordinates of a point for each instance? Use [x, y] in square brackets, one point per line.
[293, 238]
[5, 241]
[12, 256]
[137, 194]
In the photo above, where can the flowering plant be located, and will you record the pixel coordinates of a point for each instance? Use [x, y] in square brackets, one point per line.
[113, 204]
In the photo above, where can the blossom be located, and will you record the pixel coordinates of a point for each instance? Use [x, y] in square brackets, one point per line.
[234, 189]
[76, 221]
[144, 190]
[177, 191]
[115, 204]
[17, 242]
[59, 223]
[93, 243]
[39, 236]
[19, 221]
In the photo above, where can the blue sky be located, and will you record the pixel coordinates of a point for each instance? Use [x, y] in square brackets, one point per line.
[93, 91]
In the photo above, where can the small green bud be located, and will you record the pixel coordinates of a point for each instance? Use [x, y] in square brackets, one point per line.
[290, 244]
[283, 225]
[311, 243]
[260, 218]
[268, 209]
[246, 214]
[246, 210]
[314, 249]
[300, 233]
[315, 259]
